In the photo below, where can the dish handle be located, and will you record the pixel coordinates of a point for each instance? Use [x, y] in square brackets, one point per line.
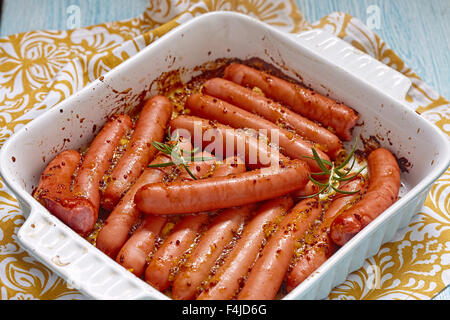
[78, 262]
[361, 65]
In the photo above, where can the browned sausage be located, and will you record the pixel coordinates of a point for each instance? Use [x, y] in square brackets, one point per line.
[117, 228]
[81, 211]
[267, 274]
[227, 280]
[55, 184]
[341, 202]
[223, 192]
[164, 262]
[309, 190]
[134, 253]
[211, 245]
[318, 246]
[231, 165]
[384, 185]
[224, 141]
[120, 222]
[150, 127]
[257, 103]
[56, 180]
[292, 145]
[302, 100]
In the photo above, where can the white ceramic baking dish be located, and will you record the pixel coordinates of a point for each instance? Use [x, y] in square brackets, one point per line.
[321, 61]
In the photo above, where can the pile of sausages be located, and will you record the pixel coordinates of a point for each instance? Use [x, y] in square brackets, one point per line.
[240, 230]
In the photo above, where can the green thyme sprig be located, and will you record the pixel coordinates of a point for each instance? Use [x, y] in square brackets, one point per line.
[334, 173]
[174, 150]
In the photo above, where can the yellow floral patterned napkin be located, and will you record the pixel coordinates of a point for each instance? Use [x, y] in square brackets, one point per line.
[41, 68]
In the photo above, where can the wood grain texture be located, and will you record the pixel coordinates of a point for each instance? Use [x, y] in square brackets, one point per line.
[418, 31]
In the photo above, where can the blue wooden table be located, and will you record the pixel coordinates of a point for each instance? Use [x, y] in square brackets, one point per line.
[417, 30]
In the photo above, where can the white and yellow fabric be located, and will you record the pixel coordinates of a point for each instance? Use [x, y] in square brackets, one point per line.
[41, 68]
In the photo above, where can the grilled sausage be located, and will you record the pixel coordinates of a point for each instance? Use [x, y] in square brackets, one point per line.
[309, 190]
[222, 192]
[267, 274]
[384, 185]
[211, 245]
[150, 127]
[133, 255]
[227, 142]
[120, 222]
[55, 183]
[227, 280]
[56, 180]
[283, 117]
[292, 145]
[117, 228]
[164, 262]
[80, 212]
[302, 100]
[318, 246]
